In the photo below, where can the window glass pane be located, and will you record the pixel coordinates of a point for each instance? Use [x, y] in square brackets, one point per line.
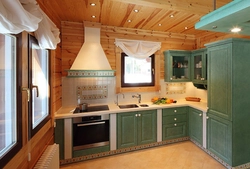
[8, 108]
[40, 85]
[137, 70]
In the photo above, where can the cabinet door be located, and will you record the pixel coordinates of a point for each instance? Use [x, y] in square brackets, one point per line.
[59, 136]
[219, 84]
[147, 127]
[177, 66]
[126, 129]
[199, 67]
[196, 125]
[219, 137]
[172, 131]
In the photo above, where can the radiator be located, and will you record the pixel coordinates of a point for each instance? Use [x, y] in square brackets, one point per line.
[49, 159]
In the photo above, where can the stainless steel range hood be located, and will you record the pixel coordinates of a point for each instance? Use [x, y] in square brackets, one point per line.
[91, 60]
[231, 15]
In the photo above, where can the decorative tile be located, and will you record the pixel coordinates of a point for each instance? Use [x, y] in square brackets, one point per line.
[90, 73]
[175, 88]
[90, 92]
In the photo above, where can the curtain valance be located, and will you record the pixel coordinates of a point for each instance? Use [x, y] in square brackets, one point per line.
[138, 49]
[26, 15]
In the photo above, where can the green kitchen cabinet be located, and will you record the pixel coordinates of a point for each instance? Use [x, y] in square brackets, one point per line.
[199, 67]
[195, 125]
[174, 123]
[219, 137]
[59, 136]
[228, 100]
[136, 128]
[177, 65]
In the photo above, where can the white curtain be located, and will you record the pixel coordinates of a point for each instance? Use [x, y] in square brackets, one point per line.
[47, 33]
[26, 15]
[138, 49]
[15, 19]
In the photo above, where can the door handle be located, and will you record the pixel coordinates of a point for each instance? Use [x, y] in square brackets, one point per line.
[28, 92]
[37, 91]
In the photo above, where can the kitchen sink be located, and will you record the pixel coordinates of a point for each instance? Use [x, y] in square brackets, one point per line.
[143, 105]
[128, 106]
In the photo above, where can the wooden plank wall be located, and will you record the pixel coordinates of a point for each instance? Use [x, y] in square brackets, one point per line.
[73, 37]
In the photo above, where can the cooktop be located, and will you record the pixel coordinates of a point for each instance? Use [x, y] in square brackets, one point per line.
[92, 108]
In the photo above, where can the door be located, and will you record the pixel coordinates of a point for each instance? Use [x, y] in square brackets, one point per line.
[219, 137]
[195, 125]
[146, 127]
[126, 129]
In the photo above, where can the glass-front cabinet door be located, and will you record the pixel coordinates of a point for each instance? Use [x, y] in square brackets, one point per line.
[177, 66]
[199, 66]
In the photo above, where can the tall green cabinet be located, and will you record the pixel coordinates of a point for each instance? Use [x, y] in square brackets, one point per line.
[228, 125]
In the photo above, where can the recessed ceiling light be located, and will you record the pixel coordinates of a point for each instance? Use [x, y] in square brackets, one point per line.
[136, 10]
[129, 20]
[159, 24]
[93, 16]
[236, 29]
[92, 4]
[171, 16]
[186, 27]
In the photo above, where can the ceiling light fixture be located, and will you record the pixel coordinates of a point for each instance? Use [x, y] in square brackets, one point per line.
[159, 24]
[235, 30]
[92, 4]
[136, 10]
[186, 27]
[171, 16]
[93, 16]
[129, 20]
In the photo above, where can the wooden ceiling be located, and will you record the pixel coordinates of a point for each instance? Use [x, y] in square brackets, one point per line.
[117, 13]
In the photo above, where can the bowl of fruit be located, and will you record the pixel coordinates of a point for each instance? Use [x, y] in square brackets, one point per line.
[162, 100]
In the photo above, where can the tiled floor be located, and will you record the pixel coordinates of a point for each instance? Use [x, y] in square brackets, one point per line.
[184, 155]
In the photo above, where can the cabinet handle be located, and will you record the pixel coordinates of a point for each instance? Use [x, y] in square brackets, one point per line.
[175, 119]
[175, 124]
[139, 115]
[207, 117]
[200, 114]
[171, 78]
[175, 111]
[136, 115]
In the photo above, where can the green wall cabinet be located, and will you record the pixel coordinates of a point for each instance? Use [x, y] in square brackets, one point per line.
[199, 66]
[228, 100]
[174, 123]
[136, 128]
[196, 125]
[177, 66]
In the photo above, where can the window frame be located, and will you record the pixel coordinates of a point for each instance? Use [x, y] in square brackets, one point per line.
[18, 145]
[32, 132]
[123, 84]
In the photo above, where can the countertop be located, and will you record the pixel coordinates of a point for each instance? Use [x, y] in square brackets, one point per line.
[67, 112]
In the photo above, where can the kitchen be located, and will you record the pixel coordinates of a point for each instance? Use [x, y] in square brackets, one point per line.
[72, 40]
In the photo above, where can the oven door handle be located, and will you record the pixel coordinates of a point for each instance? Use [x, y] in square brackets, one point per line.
[90, 124]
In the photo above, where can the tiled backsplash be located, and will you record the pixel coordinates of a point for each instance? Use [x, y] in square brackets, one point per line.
[101, 90]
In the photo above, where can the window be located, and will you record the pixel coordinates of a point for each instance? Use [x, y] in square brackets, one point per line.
[10, 107]
[137, 72]
[39, 109]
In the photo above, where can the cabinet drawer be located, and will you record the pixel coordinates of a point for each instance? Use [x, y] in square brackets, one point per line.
[172, 131]
[172, 111]
[174, 119]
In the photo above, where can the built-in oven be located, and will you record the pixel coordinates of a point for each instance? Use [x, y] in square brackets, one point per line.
[90, 131]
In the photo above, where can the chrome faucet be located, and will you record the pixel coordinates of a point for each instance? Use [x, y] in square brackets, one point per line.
[137, 96]
[117, 98]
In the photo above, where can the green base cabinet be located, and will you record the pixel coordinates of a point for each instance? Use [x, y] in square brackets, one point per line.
[59, 136]
[136, 128]
[174, 123]
[228, 100]
[196, 125]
